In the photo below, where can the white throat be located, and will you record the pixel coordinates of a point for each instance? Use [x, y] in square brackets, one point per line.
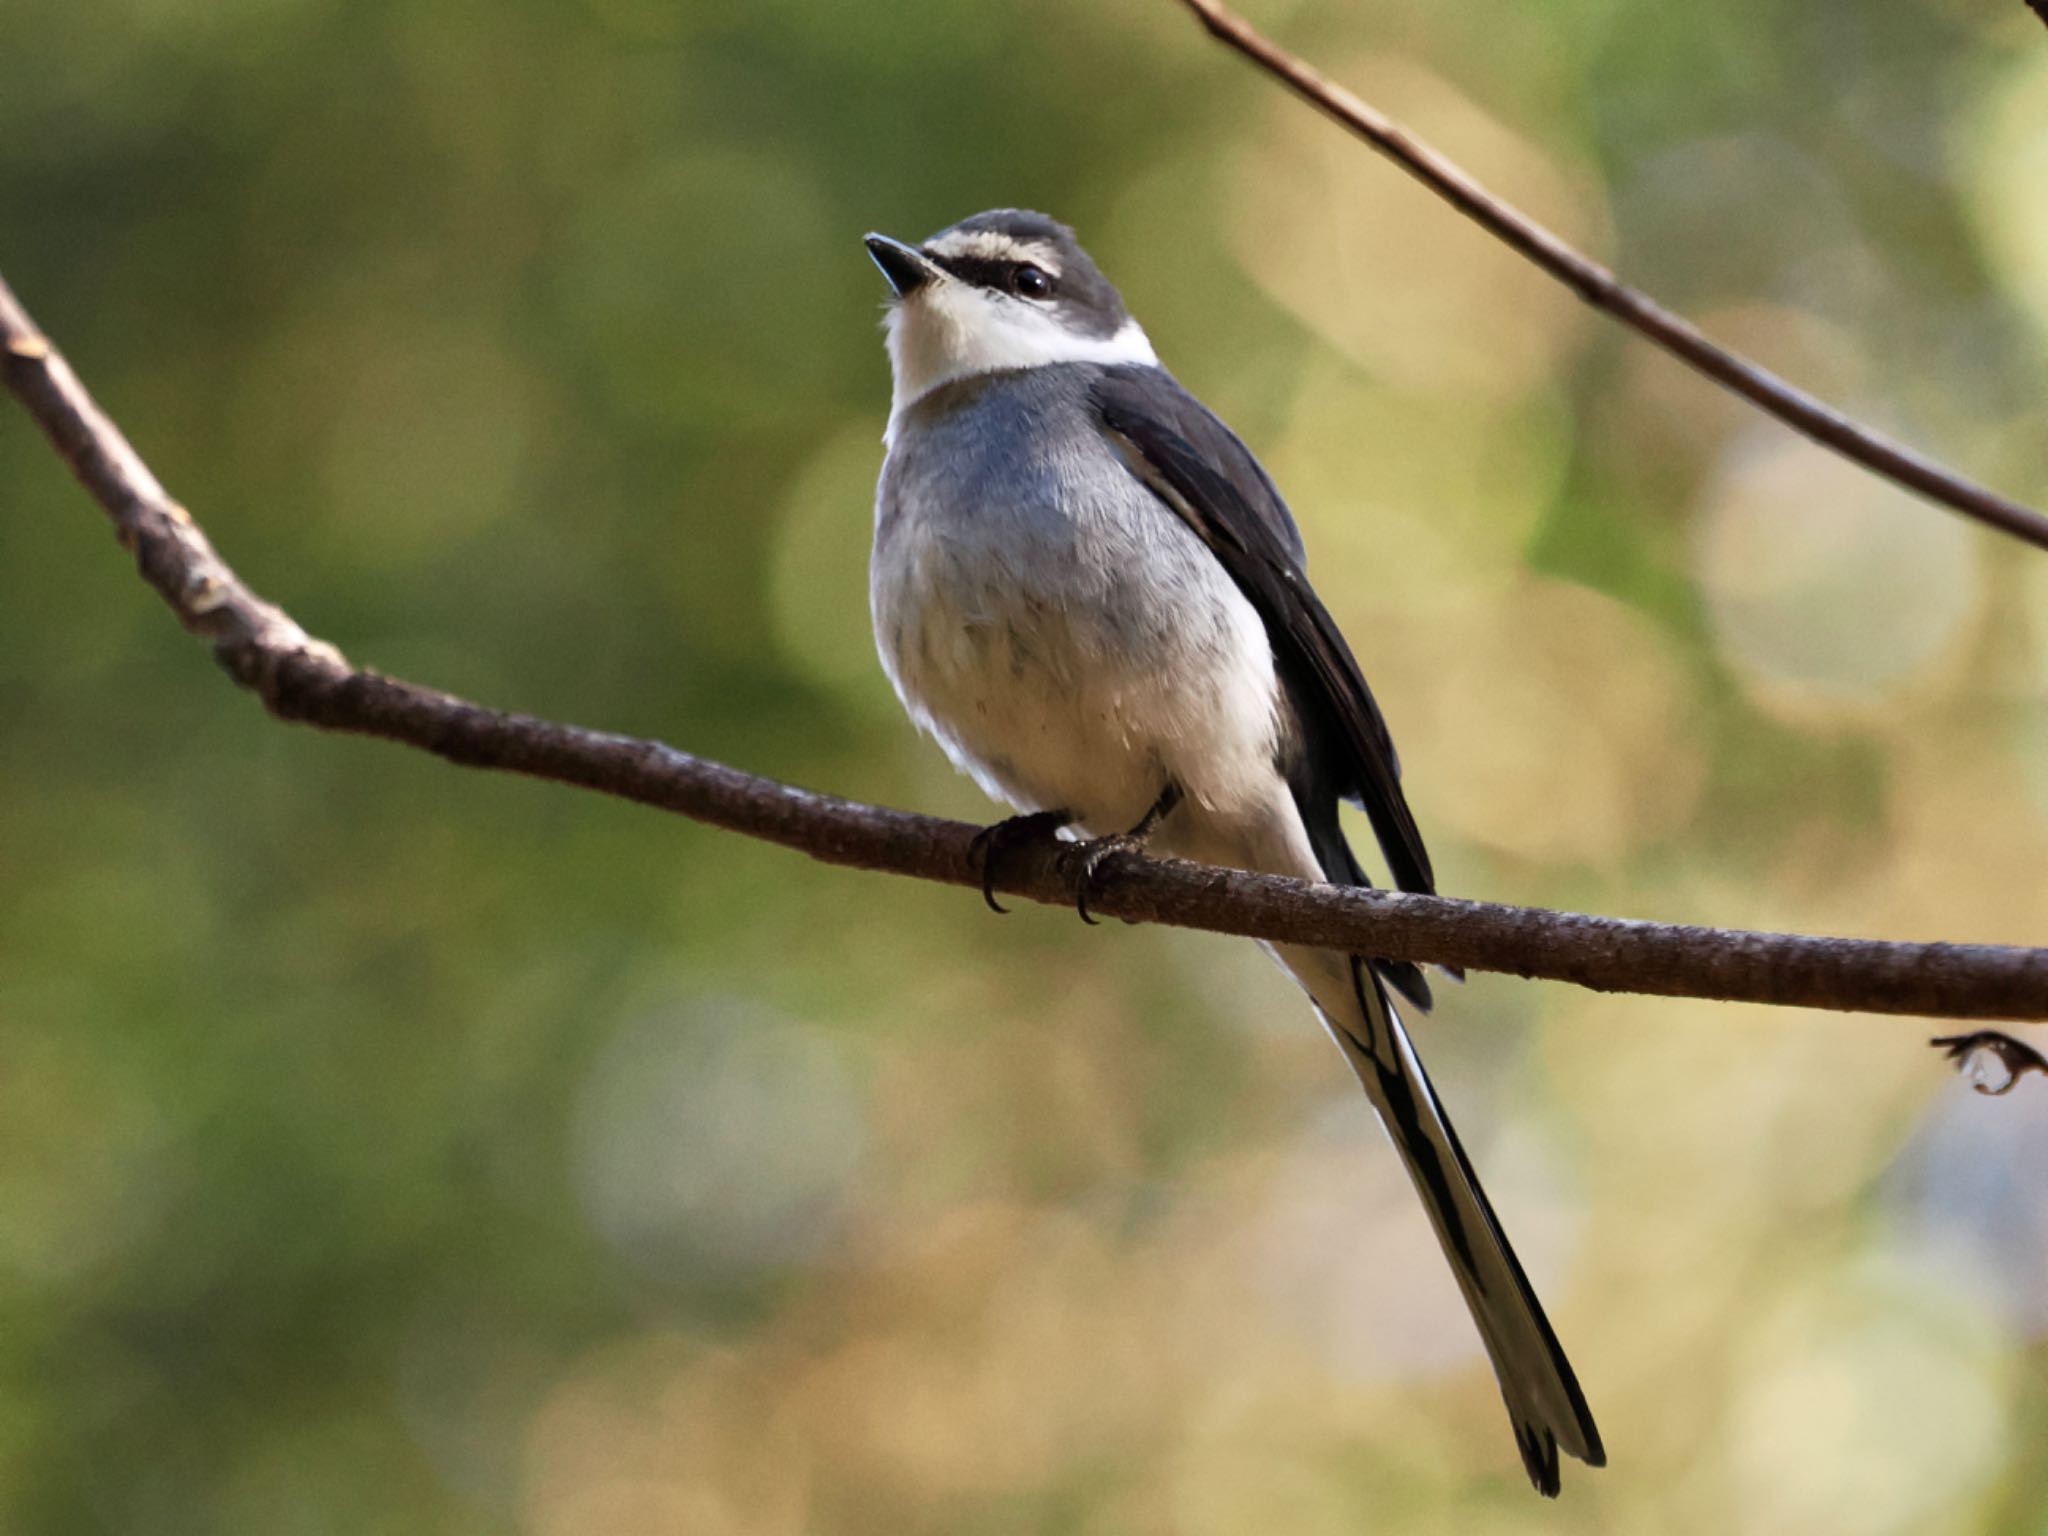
[949, 330]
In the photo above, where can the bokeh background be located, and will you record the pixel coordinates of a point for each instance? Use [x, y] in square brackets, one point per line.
[386, 1148]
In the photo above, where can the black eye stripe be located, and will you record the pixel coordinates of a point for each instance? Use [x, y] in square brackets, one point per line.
[991, 252]
[982, 271]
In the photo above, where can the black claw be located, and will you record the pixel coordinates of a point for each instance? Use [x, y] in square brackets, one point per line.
[1088, 859]
[998, 838]
[1080, 862]
[978, 852]
[1088, 856]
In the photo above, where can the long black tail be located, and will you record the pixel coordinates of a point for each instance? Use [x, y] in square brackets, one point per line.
[1536, 1380]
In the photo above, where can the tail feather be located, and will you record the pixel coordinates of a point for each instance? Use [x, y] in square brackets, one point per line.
[1543, 1398]
[1335, 861]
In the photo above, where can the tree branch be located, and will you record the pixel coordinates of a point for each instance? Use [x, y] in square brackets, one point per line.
[1633, 308]
[304, 679]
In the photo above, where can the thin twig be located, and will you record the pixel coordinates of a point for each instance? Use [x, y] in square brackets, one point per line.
[1976, 1054]
[301, 678]
[1633, 308]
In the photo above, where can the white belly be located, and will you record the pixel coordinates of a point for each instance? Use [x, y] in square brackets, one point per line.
[1080, 663]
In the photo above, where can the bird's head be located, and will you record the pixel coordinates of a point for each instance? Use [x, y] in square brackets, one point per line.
[1005, 289]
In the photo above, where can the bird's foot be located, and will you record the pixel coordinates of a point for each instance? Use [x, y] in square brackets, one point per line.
[1083, 862]
[1082, 865]
[992, 843]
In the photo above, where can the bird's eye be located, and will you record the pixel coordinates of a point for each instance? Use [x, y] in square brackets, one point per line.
[1030, 282]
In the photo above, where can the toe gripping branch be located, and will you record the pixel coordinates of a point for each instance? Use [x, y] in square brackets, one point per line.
[995, 842]
[1081, 863]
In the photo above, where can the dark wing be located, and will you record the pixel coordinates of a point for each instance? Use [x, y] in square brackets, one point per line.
[1196, 466]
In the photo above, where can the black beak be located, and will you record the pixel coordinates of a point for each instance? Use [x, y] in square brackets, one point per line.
[907, 268]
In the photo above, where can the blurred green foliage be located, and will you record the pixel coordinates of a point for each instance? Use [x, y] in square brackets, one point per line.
[385, 1148]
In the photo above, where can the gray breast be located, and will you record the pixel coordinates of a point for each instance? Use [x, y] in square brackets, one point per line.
[1002, 502]
[1063, 634]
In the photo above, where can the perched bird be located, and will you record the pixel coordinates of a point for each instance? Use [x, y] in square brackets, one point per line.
[1088, 591]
